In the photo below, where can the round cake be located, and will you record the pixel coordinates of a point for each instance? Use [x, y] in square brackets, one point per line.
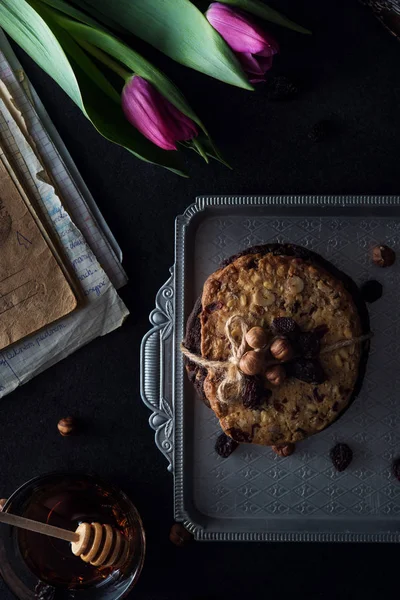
[310, 317]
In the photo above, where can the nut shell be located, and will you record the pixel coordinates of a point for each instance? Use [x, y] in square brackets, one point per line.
[285, 450]
[276, 375]
[281, 349]
[67, 426]
[252, 362]
[179, 535]
[383, 256]
[256, 337]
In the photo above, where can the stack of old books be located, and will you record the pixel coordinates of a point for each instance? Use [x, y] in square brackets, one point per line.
[60, 267]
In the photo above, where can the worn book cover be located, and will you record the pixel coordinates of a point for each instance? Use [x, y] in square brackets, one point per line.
[34, 290]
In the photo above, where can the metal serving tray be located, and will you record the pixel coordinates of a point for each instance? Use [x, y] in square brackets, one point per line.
[254, 494]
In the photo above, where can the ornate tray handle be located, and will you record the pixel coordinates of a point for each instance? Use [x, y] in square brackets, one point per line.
[155, 372]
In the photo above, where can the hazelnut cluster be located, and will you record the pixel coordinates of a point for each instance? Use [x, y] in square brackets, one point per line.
[296, 353]
[253, 362]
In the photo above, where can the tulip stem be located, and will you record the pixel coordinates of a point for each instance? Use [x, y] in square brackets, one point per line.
[105, 59]
[199, 149]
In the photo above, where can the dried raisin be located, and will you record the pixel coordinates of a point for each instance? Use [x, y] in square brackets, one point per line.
[238, 435]
[306, 370]
[254, 394]
[341, 456]
[285, 326]
[308, 344]
[225, 445]
[214, 306]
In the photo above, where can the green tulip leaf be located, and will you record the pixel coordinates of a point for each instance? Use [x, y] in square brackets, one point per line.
[74, 51]
[258, 8]
[71, 11]
[29, 30]
[178, 29]
[140, 66]
[77, 14]
[47, 44]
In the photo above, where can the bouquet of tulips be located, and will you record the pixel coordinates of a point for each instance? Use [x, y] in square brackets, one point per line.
[128, 100]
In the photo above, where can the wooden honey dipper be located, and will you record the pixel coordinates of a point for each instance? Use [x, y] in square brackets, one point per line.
[99, 545]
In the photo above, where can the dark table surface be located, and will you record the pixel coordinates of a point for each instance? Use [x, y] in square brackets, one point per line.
[349, 73]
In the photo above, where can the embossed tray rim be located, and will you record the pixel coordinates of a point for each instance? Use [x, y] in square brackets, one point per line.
[167, 418]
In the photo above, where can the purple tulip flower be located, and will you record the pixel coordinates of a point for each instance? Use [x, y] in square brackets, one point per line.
[155, 116]
[254, 48]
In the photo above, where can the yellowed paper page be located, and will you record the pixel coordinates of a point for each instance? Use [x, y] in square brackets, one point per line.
[33, 289]
[57, 252]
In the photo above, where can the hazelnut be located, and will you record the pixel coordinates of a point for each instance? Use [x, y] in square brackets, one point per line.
[2, 503]
[256, 337]
[252, 362]
[294, 285]
[276, 375]
[383, 256]
[281, 349]
[67, 426]
[284, 450]
[179, 535]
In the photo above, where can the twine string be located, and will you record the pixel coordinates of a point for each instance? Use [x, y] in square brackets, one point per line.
[233, 375]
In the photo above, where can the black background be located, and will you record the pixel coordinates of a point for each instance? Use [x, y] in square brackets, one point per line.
[349, 72]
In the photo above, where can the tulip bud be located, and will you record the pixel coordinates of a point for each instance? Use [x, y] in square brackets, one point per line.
[253, 46]
[155, 116]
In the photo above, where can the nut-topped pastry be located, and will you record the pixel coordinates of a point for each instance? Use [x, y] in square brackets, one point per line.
[276, 342]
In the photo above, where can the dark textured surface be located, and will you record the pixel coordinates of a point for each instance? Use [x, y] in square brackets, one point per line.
[348, 73]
